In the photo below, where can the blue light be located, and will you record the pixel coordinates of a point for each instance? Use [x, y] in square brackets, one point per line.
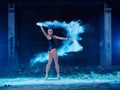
[119, 43]
[116, 46]
[73, 29]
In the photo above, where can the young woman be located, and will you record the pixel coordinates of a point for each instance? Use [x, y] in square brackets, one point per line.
[52, 50]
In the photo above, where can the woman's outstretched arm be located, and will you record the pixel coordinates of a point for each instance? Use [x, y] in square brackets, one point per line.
[43, 31]
[61, 38]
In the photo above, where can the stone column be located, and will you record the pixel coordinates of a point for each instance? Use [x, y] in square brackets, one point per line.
[12, 62]
[106, 51]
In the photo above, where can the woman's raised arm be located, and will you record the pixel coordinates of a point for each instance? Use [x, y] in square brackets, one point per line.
[43, 31]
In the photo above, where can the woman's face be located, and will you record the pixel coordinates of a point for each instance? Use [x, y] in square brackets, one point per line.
[50, 32]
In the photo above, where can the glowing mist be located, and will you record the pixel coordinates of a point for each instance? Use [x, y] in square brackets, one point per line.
[73, 29]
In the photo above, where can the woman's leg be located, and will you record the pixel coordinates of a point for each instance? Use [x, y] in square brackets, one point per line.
[56, 63]
[48, 65]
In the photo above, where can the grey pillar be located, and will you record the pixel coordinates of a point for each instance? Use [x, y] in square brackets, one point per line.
[12, 62]
[106, 53]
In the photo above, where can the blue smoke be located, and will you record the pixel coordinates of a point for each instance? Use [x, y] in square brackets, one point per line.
[73, 29]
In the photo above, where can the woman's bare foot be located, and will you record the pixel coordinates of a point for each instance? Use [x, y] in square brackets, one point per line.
[58, 77]
[46, 77]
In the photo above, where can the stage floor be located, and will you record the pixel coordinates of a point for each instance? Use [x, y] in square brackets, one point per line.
[24, 83]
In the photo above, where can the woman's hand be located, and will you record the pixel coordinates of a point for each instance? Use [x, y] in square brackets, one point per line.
[69, 39]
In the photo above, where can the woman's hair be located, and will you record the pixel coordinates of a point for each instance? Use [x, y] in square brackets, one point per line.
[50, 29]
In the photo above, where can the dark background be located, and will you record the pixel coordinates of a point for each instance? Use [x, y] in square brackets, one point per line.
[30, 40]
[3, 34]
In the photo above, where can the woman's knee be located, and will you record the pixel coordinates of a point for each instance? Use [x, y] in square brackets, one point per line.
[49, 63]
